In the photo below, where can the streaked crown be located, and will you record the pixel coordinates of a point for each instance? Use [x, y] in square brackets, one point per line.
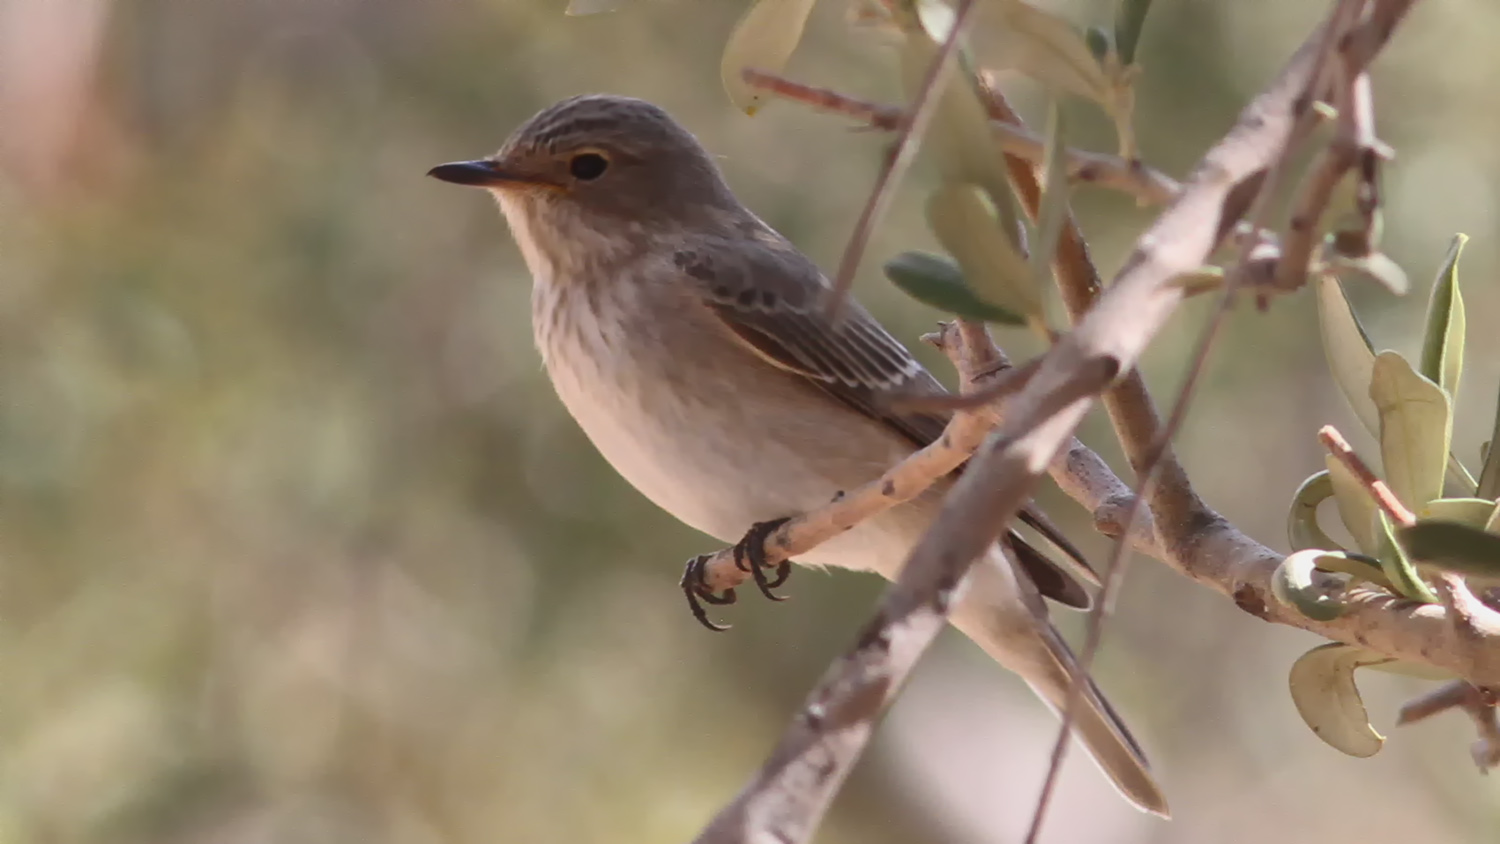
[618, 157]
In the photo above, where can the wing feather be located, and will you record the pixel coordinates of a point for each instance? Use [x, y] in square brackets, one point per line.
[771, 298]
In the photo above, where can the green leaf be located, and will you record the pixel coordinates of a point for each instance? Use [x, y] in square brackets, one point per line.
[1489, 475]
[966, 224]
[1398, 568]
[936, 281]
[960, 141]
[1356, 507]
[1377, 267]
[1054, 207]
[1130, 19]
[1357, 566]
[1302, 527]
[1469, 511]
[1018, 36]
[1098, 41]
[1323, 690]
[1452, 546]
[1419, 670]
[1415, 424]
[1293, 584]
[764, 39]
[1443, 344]
[1351, 357]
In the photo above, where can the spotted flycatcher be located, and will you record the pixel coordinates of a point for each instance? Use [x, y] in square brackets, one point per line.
[691, 343]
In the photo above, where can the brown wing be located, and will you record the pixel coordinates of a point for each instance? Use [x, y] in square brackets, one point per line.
[772, 299]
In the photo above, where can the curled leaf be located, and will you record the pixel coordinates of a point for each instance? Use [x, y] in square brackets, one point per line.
[1398, 567]
[1469, 511]
[1415, 425]
[1302, 527]
[966, 224]
[1323, 690]
[1421, 671]
[1452, 546]
[1357, 566]
[936, 281]
[1130, 19]
[1356, 507]
[1293, 583]
[764, 39]
[1443, 343]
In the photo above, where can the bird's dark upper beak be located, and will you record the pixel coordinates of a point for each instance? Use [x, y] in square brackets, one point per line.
[483, 173]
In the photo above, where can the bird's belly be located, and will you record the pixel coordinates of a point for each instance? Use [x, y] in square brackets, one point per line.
[720, 463]
[678, 454]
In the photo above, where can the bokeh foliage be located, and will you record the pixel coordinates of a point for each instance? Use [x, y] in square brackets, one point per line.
[295, 543]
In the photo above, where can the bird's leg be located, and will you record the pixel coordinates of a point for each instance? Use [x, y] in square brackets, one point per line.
[697, 593]
[752, 550]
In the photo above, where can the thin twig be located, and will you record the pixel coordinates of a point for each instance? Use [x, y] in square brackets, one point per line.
[1354, 144]
[1198, 542]
[998, 388]
[903, 151]
[786, 799]
[1445, 697]
[1384, 498]
[1477, 703]
[1079, 282]
[902, 482]
[1107, 171]
[1129, 405]
[784, 802]
[1114, 569]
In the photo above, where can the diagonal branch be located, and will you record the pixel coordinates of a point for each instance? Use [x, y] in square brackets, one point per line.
[924, 107]
[788, 796]
[1199, 543]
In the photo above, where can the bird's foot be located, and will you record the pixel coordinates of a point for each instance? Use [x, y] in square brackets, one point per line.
[750, 555]
[696, 590]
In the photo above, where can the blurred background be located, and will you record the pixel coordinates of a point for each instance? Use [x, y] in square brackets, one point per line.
[296, 544]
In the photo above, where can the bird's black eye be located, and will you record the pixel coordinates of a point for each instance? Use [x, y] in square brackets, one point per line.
[588, 166]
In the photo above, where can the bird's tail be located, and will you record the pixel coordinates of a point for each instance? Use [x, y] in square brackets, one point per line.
[1005, 617]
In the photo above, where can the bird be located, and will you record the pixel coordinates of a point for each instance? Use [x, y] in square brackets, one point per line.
[693, 345]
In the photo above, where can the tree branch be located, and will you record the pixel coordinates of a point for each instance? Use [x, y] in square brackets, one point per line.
[788, 796]
[1198, 542]
[1147, 184]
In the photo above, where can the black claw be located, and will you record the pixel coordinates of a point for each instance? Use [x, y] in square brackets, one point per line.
[752, 550]
[783, 572]
[698, 593]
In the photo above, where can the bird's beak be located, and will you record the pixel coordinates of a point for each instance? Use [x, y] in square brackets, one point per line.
[483, 173]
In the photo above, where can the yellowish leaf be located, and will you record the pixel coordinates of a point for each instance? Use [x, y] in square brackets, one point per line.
[764, 39]
[1323, 690]
[1415, 420]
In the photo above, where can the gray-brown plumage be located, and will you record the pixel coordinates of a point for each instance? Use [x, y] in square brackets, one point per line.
[687, 339]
